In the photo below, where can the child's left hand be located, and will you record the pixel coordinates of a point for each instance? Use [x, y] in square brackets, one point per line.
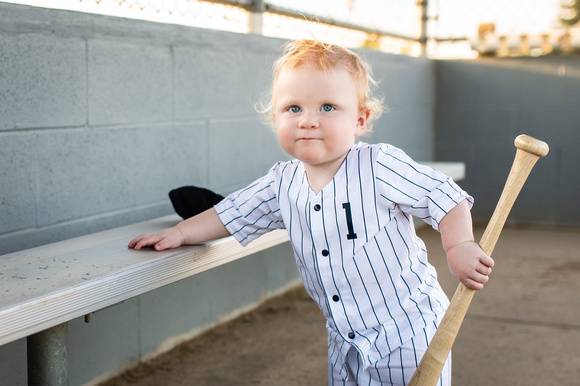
[470, 264]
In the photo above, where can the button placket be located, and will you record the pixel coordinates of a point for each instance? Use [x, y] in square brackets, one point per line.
[322, 249]
[319, 239]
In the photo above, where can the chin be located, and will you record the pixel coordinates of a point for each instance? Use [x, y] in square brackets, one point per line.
[310, 156]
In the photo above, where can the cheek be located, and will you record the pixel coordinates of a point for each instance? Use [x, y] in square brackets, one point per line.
[285, 136]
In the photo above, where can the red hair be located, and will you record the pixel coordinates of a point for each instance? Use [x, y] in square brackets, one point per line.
[325, 56]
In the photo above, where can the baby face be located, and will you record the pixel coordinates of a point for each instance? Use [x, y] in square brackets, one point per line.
[317, 114]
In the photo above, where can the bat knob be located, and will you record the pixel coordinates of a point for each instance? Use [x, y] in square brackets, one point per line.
[531, 145]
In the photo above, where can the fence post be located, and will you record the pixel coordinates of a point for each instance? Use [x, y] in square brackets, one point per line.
[257, 9]
[424, 21]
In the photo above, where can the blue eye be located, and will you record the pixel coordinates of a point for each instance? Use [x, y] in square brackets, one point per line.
[327, 107]
[294, 109]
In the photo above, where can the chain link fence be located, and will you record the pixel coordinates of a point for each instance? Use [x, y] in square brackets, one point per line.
[388, 25]
[438, 28]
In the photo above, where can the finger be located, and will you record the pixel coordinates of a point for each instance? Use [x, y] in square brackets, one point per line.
[479, 278]
[483, 269]
[136, 240]
[146, 242]
[160, 246]
[140, 244]
[472, 284]
[487, 260]
[165, 243]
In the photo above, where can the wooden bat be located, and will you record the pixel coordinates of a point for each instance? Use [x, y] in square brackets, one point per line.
[529, 150]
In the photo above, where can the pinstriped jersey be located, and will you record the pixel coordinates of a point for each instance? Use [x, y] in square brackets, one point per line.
[355, 243]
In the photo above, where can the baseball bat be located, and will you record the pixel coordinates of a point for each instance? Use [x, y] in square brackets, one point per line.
[529, 150]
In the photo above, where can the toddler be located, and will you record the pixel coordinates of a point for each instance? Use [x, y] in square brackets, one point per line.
[348, 209]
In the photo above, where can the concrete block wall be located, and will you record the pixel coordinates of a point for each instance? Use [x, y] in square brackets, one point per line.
[100, 122]
[483, 105]
[100, 117]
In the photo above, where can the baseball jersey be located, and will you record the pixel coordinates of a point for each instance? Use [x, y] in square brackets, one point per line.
[355, 243]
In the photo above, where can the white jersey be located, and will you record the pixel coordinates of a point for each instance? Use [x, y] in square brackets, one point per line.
[355, 243]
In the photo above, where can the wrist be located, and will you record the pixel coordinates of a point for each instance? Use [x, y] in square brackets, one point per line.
[458, 244]
[181, 233]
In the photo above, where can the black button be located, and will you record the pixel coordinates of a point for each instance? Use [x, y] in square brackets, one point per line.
[351, 335]
[317, 207]
[335, 298]
[325, 252]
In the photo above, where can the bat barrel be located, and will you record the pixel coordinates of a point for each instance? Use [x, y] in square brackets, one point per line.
[531, 145]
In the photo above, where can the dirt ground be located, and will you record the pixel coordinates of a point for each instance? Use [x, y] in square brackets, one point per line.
[522, 329]
[249, 350]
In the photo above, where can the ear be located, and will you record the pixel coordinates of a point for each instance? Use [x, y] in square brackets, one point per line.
[361, 122]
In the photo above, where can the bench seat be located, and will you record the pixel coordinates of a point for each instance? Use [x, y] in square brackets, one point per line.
[52, 284]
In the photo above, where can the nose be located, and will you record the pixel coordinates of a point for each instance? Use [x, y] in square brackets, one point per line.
[308, 120]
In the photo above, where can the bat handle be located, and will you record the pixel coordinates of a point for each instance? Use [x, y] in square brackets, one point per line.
[529, 150]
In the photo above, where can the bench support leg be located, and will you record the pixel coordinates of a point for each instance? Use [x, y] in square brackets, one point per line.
[47, 353]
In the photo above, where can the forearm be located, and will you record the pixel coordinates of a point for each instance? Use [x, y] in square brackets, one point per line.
[456, 227]
[204, 227]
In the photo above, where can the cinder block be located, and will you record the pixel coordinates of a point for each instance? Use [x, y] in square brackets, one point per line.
[108, 327]
[247, 280]
[129, 82]
[221, 78]
[12, 356]
[494, 163]
[188, 311]
[567, 160]
[497, 85]
[409, 128]
[81, 173]
[565, 209]
[455, 83]
[402, 80]
[449, 152]
[282, 268]
[89, 172]
[557, 123]
[167, 157]
[240, 152]
[17, 182]
[478, 124]
[42, 81]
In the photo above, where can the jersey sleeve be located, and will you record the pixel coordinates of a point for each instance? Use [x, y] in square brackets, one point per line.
[250, 212]
[416, 189]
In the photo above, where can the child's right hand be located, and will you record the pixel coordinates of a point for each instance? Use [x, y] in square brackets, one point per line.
[165, 239]
[470, 264]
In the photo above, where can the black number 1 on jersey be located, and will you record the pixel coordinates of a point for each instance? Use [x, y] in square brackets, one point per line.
[351, 235]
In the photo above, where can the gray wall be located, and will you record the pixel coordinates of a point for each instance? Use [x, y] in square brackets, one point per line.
[483, 105]
[101, 117]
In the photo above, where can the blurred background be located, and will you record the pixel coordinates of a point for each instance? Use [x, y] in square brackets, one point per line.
[436, 28]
